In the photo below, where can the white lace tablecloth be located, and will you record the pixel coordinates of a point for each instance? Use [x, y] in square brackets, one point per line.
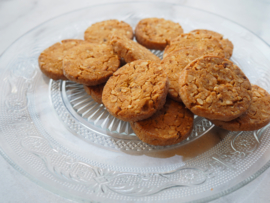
[18, 17]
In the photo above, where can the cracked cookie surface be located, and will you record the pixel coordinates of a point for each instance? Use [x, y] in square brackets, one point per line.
[226, 44]
[136, 91]
[90, 64]
[95, 92]
[169, 125]
[206, 42]
[175, 63]
[215, 88]
[101, 32]
[51, 59]
[155, 33]
[130, 50]
[257, 115]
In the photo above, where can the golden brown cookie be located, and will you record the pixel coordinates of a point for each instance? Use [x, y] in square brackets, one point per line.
[101, 32]
[136, 91]
[257, 115]
[170, 125]
[225, 43]
[130, 50]
[206, 42]
[95, 92]
[173, 65]
[90, 64]
[215, 88]
[155, 33]
[51, 59]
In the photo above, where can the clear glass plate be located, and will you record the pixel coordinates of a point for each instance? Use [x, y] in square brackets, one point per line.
[56, 135]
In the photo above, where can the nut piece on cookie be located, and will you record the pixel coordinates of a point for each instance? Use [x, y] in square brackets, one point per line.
[51, 59]
[136, 91]
[155, 33]
[101, 32]
[225, 43]
[215, 88]
[175, 63]
[90, 64]
[130, 50]
[95, 92]
[170, 125]
[206, 42]
[207, 32]
[257, 115]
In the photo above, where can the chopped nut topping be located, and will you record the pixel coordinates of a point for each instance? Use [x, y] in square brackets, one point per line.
[113, 98]
[229, 102]
[200, 101]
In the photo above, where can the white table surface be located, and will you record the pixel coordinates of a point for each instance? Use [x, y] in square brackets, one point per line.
[19, 16]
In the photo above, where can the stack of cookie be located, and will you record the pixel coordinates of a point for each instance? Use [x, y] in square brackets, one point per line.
[160, 98]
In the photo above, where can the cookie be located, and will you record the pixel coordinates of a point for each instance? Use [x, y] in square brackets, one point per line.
[215, 88]
[51, 59]
[155, 33]
[130, 50]
[90, 64]
[173, 65]
[170, 125]
[101, 32]
[257, 115]
[226, 44]
[136, 91]
[95, 92]
[206, 42]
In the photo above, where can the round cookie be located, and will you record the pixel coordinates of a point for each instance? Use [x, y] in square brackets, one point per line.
[170, 125]
[155, 33]
[225, 43]
[215, 88]
[51, 59]
[256, 117]
[136, 91]
[130, 50]
[175, 63]
[206, 42]
[90, 64]
[95, 92]
[100, 32]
